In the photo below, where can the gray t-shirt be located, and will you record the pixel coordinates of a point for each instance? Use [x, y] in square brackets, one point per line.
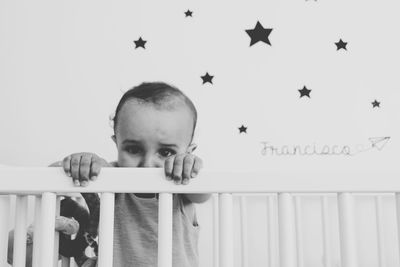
[136, 228]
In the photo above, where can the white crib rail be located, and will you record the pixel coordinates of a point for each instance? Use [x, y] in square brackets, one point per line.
[52, 181]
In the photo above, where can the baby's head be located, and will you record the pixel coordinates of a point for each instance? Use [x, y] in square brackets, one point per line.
[153, 121]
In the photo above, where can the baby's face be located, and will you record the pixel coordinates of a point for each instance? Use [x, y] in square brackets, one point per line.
[146, 136]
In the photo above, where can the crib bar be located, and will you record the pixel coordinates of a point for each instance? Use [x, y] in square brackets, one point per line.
[243, 231]
[287, 246]
[106, 230]
[225, 230]
[215, 252]
[271, 231]
[397, 196]
[257, 181]
[20, 232]
[165, 230]
[47, 223]
[4, 223]
[347, 230]
[326, 238]
[36, 232]
[299, 231]
[379, 231]
[56, 234]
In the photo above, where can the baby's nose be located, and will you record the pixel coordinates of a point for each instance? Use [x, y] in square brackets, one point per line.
[150, 162]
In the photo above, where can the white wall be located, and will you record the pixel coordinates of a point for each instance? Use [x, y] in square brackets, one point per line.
[64, 66]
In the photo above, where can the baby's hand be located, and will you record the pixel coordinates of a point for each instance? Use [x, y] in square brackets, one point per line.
[182, 167]
[83, 166]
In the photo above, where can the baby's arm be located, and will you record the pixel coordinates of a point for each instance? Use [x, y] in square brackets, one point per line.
[197, 198]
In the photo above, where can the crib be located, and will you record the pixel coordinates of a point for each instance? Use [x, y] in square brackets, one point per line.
[50, 183]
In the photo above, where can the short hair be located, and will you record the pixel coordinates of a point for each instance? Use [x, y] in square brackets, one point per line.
[160, 94]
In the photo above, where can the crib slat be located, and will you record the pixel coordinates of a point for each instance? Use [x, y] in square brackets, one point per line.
[379, 230]
[271, 232]
[397, 197]
[47, 223]
[243, 228]
[215, 230]
[20, 232]
[106, 230]
[165, 230]
[225, 230]
[56, 234]
[36, 232]
[287, 244]
[326, 239]
[347, 230]
[4, 224]
[299, 231]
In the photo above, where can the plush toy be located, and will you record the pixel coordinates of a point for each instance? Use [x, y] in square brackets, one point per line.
[88, 227]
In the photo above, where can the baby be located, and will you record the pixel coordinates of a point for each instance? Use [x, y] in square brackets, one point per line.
[154, 125]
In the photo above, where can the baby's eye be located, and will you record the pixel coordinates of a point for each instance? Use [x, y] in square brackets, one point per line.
[132, 150]
[166, 152]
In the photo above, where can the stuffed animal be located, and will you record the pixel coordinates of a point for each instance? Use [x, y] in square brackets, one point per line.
[88, 227]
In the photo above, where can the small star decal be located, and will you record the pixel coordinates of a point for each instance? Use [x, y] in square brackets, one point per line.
[340, 45]
[304, 92]
[259, 33]
[188, 13]
[140, 43]
[242, 129]
[375, 104]
[207, 78]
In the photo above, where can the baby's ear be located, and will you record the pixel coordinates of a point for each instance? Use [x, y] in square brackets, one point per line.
[192, 147]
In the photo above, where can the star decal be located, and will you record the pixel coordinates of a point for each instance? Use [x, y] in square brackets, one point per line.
[340, 45]
[140, 43]
[242, 129]
[375, 104]
[188, 13]
[207, 78]
[259, 33]
[304, 92]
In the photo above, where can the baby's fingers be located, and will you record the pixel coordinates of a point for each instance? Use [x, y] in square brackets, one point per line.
[95, 169]
[67, 165]
[168, 167]
[198, 164]
[187, 168]
[75, 162]
[84, 169]
[178, 166]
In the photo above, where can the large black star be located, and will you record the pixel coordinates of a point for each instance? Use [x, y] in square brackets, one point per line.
[375, 104]
[207, 78]
[341, 44]
[259, 33]
[304, 92]
[188, 13]
[242, 129]
[140, 43]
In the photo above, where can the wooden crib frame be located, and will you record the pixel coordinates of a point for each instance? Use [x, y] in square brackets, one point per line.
[45, 183]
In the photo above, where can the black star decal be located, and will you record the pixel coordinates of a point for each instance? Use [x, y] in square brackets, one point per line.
[242, 129]
[375, 104]
[304, 92]
[207, 78]
[140, 43]
[341, 44]
[188, 13]
[259, 33]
